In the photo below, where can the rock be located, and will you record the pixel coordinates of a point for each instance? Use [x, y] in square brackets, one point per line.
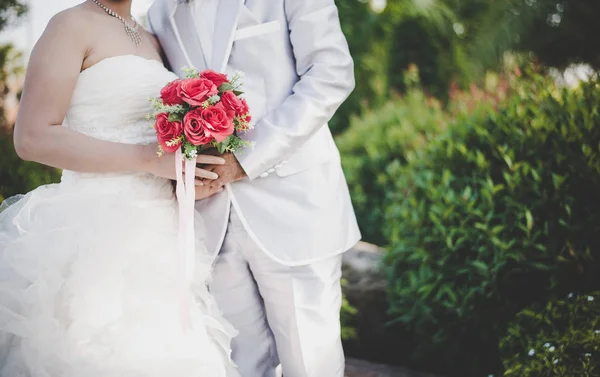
[365, 289]
[361, 269]
[359, 368]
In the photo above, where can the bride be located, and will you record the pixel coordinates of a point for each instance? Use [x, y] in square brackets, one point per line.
[87, 266]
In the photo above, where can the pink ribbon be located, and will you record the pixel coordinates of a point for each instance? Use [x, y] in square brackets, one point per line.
[186, 197]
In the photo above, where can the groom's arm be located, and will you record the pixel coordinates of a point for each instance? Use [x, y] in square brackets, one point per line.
[326, 72]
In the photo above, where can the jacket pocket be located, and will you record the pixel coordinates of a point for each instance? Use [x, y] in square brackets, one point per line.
[256, 30]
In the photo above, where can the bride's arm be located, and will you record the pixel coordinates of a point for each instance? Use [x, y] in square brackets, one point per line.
[52, 73]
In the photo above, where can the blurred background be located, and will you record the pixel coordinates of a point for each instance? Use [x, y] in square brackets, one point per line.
[472, 151]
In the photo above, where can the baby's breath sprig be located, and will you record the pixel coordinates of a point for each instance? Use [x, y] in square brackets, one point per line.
[175, 141]
[236, 80]
[160, 107]
[232, 144]
[189, 150]
[190, 72]
[214, 100]
[241, 124]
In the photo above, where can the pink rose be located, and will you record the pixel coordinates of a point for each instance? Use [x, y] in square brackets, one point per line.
[244, 111]
[195, 128]
[166, 131]
[217, 78]
[169, 94]
[231, 102]
[220, 125]
[196, 91]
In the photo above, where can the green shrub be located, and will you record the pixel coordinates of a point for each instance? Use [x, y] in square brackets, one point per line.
[18, 176]
[560, 340]
[500, 212]
[382, 137]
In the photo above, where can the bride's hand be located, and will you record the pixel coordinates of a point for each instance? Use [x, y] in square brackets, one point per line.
[164, 166]
[206, 191]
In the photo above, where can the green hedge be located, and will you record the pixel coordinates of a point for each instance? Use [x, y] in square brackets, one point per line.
[500, 212]
[562, 339]
[381, 138]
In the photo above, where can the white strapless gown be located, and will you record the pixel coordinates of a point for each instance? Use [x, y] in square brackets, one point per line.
[88, 284]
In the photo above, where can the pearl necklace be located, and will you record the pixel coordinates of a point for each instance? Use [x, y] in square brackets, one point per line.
[132, 31]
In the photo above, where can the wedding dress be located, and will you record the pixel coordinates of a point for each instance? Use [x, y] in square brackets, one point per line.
[88, 267]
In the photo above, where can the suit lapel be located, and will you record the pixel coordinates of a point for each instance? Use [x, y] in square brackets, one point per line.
[187, 35]
[227, 16]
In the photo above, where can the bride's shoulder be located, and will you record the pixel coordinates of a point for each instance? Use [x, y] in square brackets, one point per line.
[69, 24]
[75, 17]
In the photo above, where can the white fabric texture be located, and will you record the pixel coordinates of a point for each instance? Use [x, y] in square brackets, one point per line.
[283, 313]
[298, 70]
[88, 267]
[204, 12]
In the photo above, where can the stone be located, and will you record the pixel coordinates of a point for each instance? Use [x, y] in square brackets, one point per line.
[365, 288]
[360, 266]
[359, 368]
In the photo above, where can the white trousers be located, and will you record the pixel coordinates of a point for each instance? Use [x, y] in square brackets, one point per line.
[283, 314]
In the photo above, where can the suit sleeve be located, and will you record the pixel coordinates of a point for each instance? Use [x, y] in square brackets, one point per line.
[326, 72]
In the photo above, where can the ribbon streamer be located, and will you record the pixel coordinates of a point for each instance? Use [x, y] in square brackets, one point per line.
[186, 196]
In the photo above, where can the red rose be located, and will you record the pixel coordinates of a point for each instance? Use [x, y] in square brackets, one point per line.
[217, 78]
[244, 112]
[196, 91]
[169, 93]
[166, 131]
[195, 128]
[220, 124]
[231, 102]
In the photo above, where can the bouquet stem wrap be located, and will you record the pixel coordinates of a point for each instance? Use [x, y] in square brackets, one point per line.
[185, 193]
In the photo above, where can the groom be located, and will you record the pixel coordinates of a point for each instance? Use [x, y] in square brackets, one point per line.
[285, 217]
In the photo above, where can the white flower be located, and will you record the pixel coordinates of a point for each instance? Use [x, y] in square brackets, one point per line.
[588, 355]
[590, 298]
[531, 352]
[597, 332]
[555, 361]
[239, 74]
[192, 154]
[570, 295]
[551, 349]
[547, 345]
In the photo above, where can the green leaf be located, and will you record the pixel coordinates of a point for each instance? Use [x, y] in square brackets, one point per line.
[175, 117]
[557, 180]
[481, 267]
[225, 88]
[529, 219]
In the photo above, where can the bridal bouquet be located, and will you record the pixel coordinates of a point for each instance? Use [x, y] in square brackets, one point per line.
[203, 110]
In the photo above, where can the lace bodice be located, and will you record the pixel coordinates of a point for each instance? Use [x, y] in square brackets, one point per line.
[110, 102]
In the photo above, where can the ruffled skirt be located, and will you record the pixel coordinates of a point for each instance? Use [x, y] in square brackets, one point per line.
[88, 288]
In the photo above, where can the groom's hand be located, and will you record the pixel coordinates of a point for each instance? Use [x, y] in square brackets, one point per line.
[230, 171]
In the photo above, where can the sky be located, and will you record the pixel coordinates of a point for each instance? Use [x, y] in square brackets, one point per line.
[40, 12]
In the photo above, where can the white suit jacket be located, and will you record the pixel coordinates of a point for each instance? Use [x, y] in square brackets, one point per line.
[298, 70]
